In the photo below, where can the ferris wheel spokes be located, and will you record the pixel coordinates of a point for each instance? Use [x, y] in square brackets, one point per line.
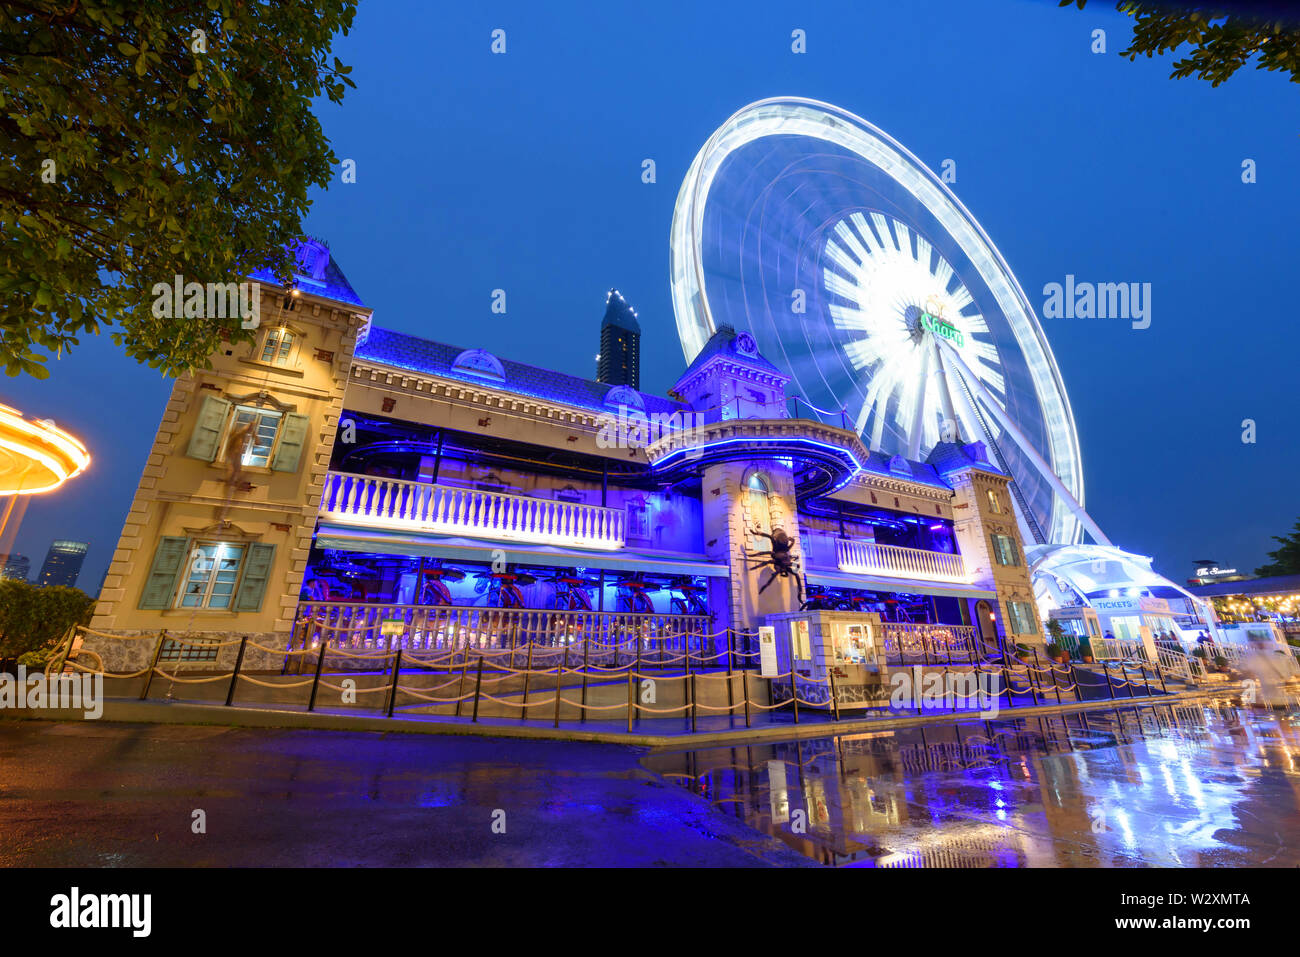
[947, 353]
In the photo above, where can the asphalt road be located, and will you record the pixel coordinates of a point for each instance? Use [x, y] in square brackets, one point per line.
[96, 794]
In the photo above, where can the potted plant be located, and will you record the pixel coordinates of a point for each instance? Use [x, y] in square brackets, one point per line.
[1057, 653]
[1085, 650]
[1022, 651]
[1221, 662]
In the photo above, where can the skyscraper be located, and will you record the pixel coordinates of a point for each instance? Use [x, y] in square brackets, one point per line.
[63, 563]
[15, 567]
[619, 362]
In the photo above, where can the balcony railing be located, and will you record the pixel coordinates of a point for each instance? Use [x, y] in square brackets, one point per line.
[907, 643]
[363, 627]
[867, 558]
[368, 501]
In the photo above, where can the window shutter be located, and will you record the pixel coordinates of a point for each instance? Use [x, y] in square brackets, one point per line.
[257, 571]
[160, 586]
[293, 434]
[207, 431]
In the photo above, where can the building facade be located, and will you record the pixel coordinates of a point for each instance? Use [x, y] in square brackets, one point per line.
[619, 361]
[15, 567]
[62, 565]
[339, 481]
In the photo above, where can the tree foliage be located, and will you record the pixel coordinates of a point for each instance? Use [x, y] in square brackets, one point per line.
[141, 140]
[1220, 41]
[1286, 560]
[35, 619]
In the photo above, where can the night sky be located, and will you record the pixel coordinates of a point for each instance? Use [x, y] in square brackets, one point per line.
[523, 172]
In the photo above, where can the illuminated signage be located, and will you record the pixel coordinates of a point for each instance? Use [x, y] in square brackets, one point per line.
[942, 327]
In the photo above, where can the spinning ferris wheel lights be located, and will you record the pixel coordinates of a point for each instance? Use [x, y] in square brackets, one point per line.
[913, 323]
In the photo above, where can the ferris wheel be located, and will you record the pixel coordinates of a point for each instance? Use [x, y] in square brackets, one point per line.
[855, 267]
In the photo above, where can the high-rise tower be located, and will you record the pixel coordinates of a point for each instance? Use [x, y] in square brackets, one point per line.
[619, 362]
[63, 563]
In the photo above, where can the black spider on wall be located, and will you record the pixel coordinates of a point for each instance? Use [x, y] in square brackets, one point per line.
[780, 559]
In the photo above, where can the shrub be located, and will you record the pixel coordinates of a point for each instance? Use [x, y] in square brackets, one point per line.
[33, 620]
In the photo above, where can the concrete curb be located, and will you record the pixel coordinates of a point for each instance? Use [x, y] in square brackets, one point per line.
[162, 712]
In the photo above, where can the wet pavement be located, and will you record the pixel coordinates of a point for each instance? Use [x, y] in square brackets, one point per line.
[1193, 786]
[97, 794]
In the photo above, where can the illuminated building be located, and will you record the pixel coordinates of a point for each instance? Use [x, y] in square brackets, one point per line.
[62, 564]
[15, 567]
[333, 479]
[619, 362]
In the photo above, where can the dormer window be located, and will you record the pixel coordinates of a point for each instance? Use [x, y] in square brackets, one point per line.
[278, 346]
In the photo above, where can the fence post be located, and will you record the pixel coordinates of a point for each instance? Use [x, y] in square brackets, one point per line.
[559, 682]
[835, 696]
[315, 683]
[794, 690]
[1160, 673]
[478, 684]
[1105, 668]
[234, 675]
[157, 653]
[744, 684]
[690, 680]
[629, 702]
[528, 675]
[392, 691]
[586, 644]
[1033, 675]
[731, 692]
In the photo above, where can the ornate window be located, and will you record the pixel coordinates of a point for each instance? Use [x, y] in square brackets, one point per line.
[256, 430]
[1005, 551]
[1023, 619]
[277, 347]
[759, 509]
[212, 575]
[993, 502]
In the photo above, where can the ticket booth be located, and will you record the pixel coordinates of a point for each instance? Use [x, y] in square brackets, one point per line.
[813, 644]
[1078, 622]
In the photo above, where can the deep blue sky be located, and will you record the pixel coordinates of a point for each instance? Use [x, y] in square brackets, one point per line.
[523, 172]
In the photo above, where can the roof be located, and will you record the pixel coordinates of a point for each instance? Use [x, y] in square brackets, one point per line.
[890, 466]
[438, 358]
[739, 347]
[330, 284]
[951, 456]
[1275, 585]
[619, 314]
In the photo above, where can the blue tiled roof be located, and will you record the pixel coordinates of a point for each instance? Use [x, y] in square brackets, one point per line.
[435, 358]
[723, 342]
[950, 456]
[334, 285]
[877, 463]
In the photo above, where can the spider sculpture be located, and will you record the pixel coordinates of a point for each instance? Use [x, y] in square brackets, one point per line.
[780, 559]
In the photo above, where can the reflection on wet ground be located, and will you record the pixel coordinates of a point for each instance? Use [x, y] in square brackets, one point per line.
[1190, 786]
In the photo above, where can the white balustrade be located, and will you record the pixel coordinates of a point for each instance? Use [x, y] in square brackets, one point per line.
[368, 501]
[365, 627]
[869, 558]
